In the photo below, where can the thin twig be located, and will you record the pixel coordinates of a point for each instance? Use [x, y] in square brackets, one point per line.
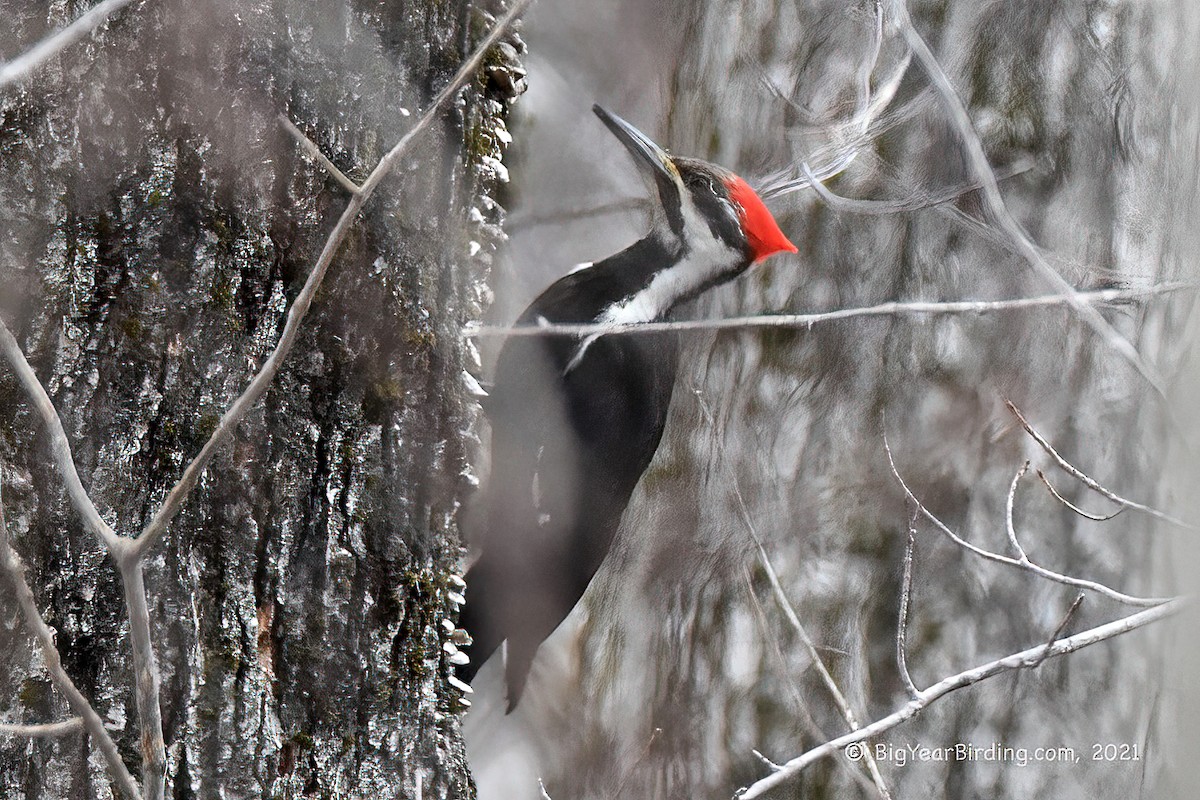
[59, 445]
[1087, 481]
[998, 210]
[47, 730]
[768, 763]
[262, 381]
[1009, 526]
[1062, 626]
[892, 309]
[23, 65]
[14, 571]
[789, 611]
[801, 708]
[1017, 661]
[1021, 563]
[905, 603]
[619, 792]
[314, 152]
[1086, 515]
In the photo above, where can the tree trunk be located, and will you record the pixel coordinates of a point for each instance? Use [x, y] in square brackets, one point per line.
[156, 220]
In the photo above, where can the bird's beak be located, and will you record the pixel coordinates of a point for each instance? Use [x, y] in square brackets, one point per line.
[647, 155]
[645, 152]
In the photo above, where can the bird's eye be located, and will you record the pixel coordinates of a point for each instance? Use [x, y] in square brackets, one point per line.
[700, 182]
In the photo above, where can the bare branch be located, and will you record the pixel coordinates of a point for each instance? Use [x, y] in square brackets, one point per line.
[1023, 660]
[1023, 562]
[893, 309]
[905, 602]
[14, 571]
[145, 670]
[48, 730]
[59, 445]
[262, 381]
[1087, 481]
[768, 763]
[997, 209]
[23, 65]
[314, 152]
[1093, 517]
[146, 680]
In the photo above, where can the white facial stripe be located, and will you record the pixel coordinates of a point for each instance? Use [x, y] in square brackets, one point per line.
[708, 258]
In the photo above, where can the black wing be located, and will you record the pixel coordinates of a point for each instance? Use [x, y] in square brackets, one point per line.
[568, 448]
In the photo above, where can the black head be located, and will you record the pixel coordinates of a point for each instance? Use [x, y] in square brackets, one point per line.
[701, 201]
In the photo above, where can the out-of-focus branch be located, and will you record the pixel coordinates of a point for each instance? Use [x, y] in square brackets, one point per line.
[1086, 480]
[1023, 561]
[893, 309]
[1062, 626]
[917, 201]
[997, 209]
[23, 65]
[296, 314]
[14, 573]
[849, 137]
[558, 217]
[59, 445]
[314, 152]
[48, 730]
[1025, 659]
[789, 611]
[799, 706]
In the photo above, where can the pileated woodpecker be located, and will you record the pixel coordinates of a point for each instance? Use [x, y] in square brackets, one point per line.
[576, 419]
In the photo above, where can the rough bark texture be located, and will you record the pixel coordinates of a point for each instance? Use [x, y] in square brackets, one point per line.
[681, 667]
[155, 221]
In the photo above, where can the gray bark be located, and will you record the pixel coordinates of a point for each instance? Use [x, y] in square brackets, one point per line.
[155, 221]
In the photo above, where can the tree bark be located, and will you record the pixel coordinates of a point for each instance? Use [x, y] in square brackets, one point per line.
[156, 219]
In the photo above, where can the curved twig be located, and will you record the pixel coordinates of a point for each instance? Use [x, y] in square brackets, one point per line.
[1087, 480]
[1023, 562]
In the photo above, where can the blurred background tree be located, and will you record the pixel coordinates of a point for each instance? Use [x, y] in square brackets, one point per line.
[679, 664]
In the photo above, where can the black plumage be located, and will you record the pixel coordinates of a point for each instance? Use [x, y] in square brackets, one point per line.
[576, 420]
